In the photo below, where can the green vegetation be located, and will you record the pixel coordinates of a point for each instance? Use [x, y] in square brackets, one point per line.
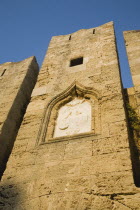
[134, 119]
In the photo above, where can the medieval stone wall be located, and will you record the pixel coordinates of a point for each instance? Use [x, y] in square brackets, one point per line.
[17, 81]
[74, 168]
[132, 41]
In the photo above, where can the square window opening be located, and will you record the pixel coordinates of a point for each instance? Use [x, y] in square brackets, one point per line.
[77, 61]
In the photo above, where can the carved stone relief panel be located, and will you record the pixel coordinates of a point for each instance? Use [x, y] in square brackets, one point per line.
[73, 118]
[75, 111]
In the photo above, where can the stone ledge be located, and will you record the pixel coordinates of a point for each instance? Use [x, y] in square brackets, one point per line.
[73, 137]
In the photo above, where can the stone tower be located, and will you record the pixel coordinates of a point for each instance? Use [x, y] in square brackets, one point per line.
[132, 40]
[72, 150]
[17, 81]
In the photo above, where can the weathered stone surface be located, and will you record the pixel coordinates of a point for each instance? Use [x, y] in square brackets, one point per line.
[17, 81]
[86, 170]
[132, 41]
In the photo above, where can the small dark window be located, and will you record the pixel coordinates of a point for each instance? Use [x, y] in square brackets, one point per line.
[76, 62]
[93, 31]
[3, 72]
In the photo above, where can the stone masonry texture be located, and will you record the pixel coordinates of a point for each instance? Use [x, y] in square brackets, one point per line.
[17, 81]
[132, 41]
[87, 170]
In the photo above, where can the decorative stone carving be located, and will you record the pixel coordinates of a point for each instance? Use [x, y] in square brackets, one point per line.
[66, 113]
[73, 118]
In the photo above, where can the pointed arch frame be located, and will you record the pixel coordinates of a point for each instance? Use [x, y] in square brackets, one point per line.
[48, 120]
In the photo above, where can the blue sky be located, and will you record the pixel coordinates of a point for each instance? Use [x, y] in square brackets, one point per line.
[28, 25]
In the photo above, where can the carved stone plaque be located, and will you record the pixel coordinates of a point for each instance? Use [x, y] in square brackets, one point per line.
[73, 118]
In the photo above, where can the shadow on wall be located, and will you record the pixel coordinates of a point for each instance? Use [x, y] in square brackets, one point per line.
[134, 146]
[9, 132]
[16, 113]
[9, 196]
[135, 158]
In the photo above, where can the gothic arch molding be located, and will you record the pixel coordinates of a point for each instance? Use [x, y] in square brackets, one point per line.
[76, 89]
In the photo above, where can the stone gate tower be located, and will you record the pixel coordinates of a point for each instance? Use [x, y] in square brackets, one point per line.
[72, 149]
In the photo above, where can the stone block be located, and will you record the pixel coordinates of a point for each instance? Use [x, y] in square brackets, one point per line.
[117, 127]
[113, 144]
[113, 183]
[106, 163]
[78, 149]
